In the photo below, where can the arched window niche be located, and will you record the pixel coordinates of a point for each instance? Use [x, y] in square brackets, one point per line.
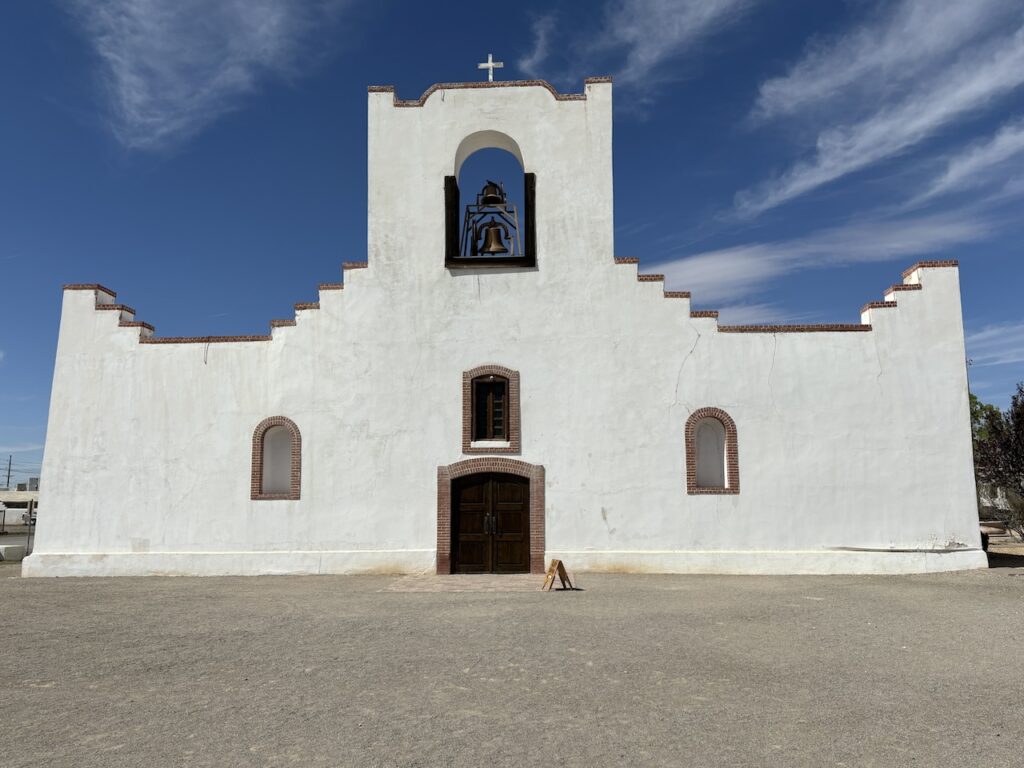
[490, 226]
[712, 453]
[276, 460]
[490, 410]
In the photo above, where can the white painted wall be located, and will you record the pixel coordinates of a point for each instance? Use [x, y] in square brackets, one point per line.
[854, 448]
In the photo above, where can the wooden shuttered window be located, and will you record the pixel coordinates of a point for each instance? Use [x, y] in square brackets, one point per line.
[490, 408]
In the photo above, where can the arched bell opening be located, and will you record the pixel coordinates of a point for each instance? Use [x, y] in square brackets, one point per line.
[489, 205]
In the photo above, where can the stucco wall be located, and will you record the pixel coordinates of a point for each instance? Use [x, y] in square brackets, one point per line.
[854, 446]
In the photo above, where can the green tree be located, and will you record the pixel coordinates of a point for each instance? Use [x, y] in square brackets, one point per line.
[999, 453]
[979, 412]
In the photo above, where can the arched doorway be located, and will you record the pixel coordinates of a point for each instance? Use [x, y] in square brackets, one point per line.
[490, 524]
[490, 516]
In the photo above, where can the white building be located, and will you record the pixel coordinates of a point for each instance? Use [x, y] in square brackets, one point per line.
[436, 413]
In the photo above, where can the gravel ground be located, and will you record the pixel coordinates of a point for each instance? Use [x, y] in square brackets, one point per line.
[631, 671]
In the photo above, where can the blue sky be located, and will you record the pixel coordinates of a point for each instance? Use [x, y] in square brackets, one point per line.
[784, 161]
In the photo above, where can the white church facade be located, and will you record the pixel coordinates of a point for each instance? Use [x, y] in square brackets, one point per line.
[485, 410]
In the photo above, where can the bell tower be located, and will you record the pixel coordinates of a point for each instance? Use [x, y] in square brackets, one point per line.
[421, 226]
[491, 234]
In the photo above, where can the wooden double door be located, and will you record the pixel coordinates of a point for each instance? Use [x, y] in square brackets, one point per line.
[491, 524]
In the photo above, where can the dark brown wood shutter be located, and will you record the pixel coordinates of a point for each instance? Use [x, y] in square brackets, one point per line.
[530, 219]
[451, 218]
[489, 408]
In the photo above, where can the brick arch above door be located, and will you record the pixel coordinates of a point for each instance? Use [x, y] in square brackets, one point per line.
[532, 472]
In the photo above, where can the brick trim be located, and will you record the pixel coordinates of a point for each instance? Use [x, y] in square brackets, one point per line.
[627, 260]
[256, 477]
[201, 339]
[930, 264]
[347, 265]
[704, 313]
[307, 305]
[822, 328]
[904, 287]
[514, 432]
[878, 305]
[331, 286]
[732, 458]
[532, 472]
[484, 84]
[90, 287]
[650, 278]
[118, 307]
[677, 294]
[136, 324]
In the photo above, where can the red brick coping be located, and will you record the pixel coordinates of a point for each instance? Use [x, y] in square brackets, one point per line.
[820, 328]
[136, 324]
[514, 435]
[878, 305]
[201, 339]
[532, 472]
[484, 84]
[89, 287]
[256, 479]
[732, 456]
[931, 265]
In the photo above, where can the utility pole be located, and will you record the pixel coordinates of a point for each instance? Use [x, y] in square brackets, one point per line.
[9, 457]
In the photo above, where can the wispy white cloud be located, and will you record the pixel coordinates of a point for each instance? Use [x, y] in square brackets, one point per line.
[1, 355]
[169, 69]
[650, 32]
[977, 164]
[1000, 344]
[953, 94]
[729, 274]
[907, 39]
[543, 29]
[883, 88]
[635, 40]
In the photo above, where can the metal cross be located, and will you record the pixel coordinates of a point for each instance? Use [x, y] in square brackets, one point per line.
[490, 65]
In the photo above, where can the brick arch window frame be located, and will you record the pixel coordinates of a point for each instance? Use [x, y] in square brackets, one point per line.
[295, 479]
[514, 432]
[732, 456]
[534, 473]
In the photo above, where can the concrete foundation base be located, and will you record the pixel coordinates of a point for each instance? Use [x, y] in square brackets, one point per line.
[423, 561]
[779, 563]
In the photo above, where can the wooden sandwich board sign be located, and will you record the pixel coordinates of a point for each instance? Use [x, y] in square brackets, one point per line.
[556, 569]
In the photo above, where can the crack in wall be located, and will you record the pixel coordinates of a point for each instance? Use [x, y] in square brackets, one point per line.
[679, 374]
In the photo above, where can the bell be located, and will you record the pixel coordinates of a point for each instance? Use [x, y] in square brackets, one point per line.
[492, 194]
[494, 243]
